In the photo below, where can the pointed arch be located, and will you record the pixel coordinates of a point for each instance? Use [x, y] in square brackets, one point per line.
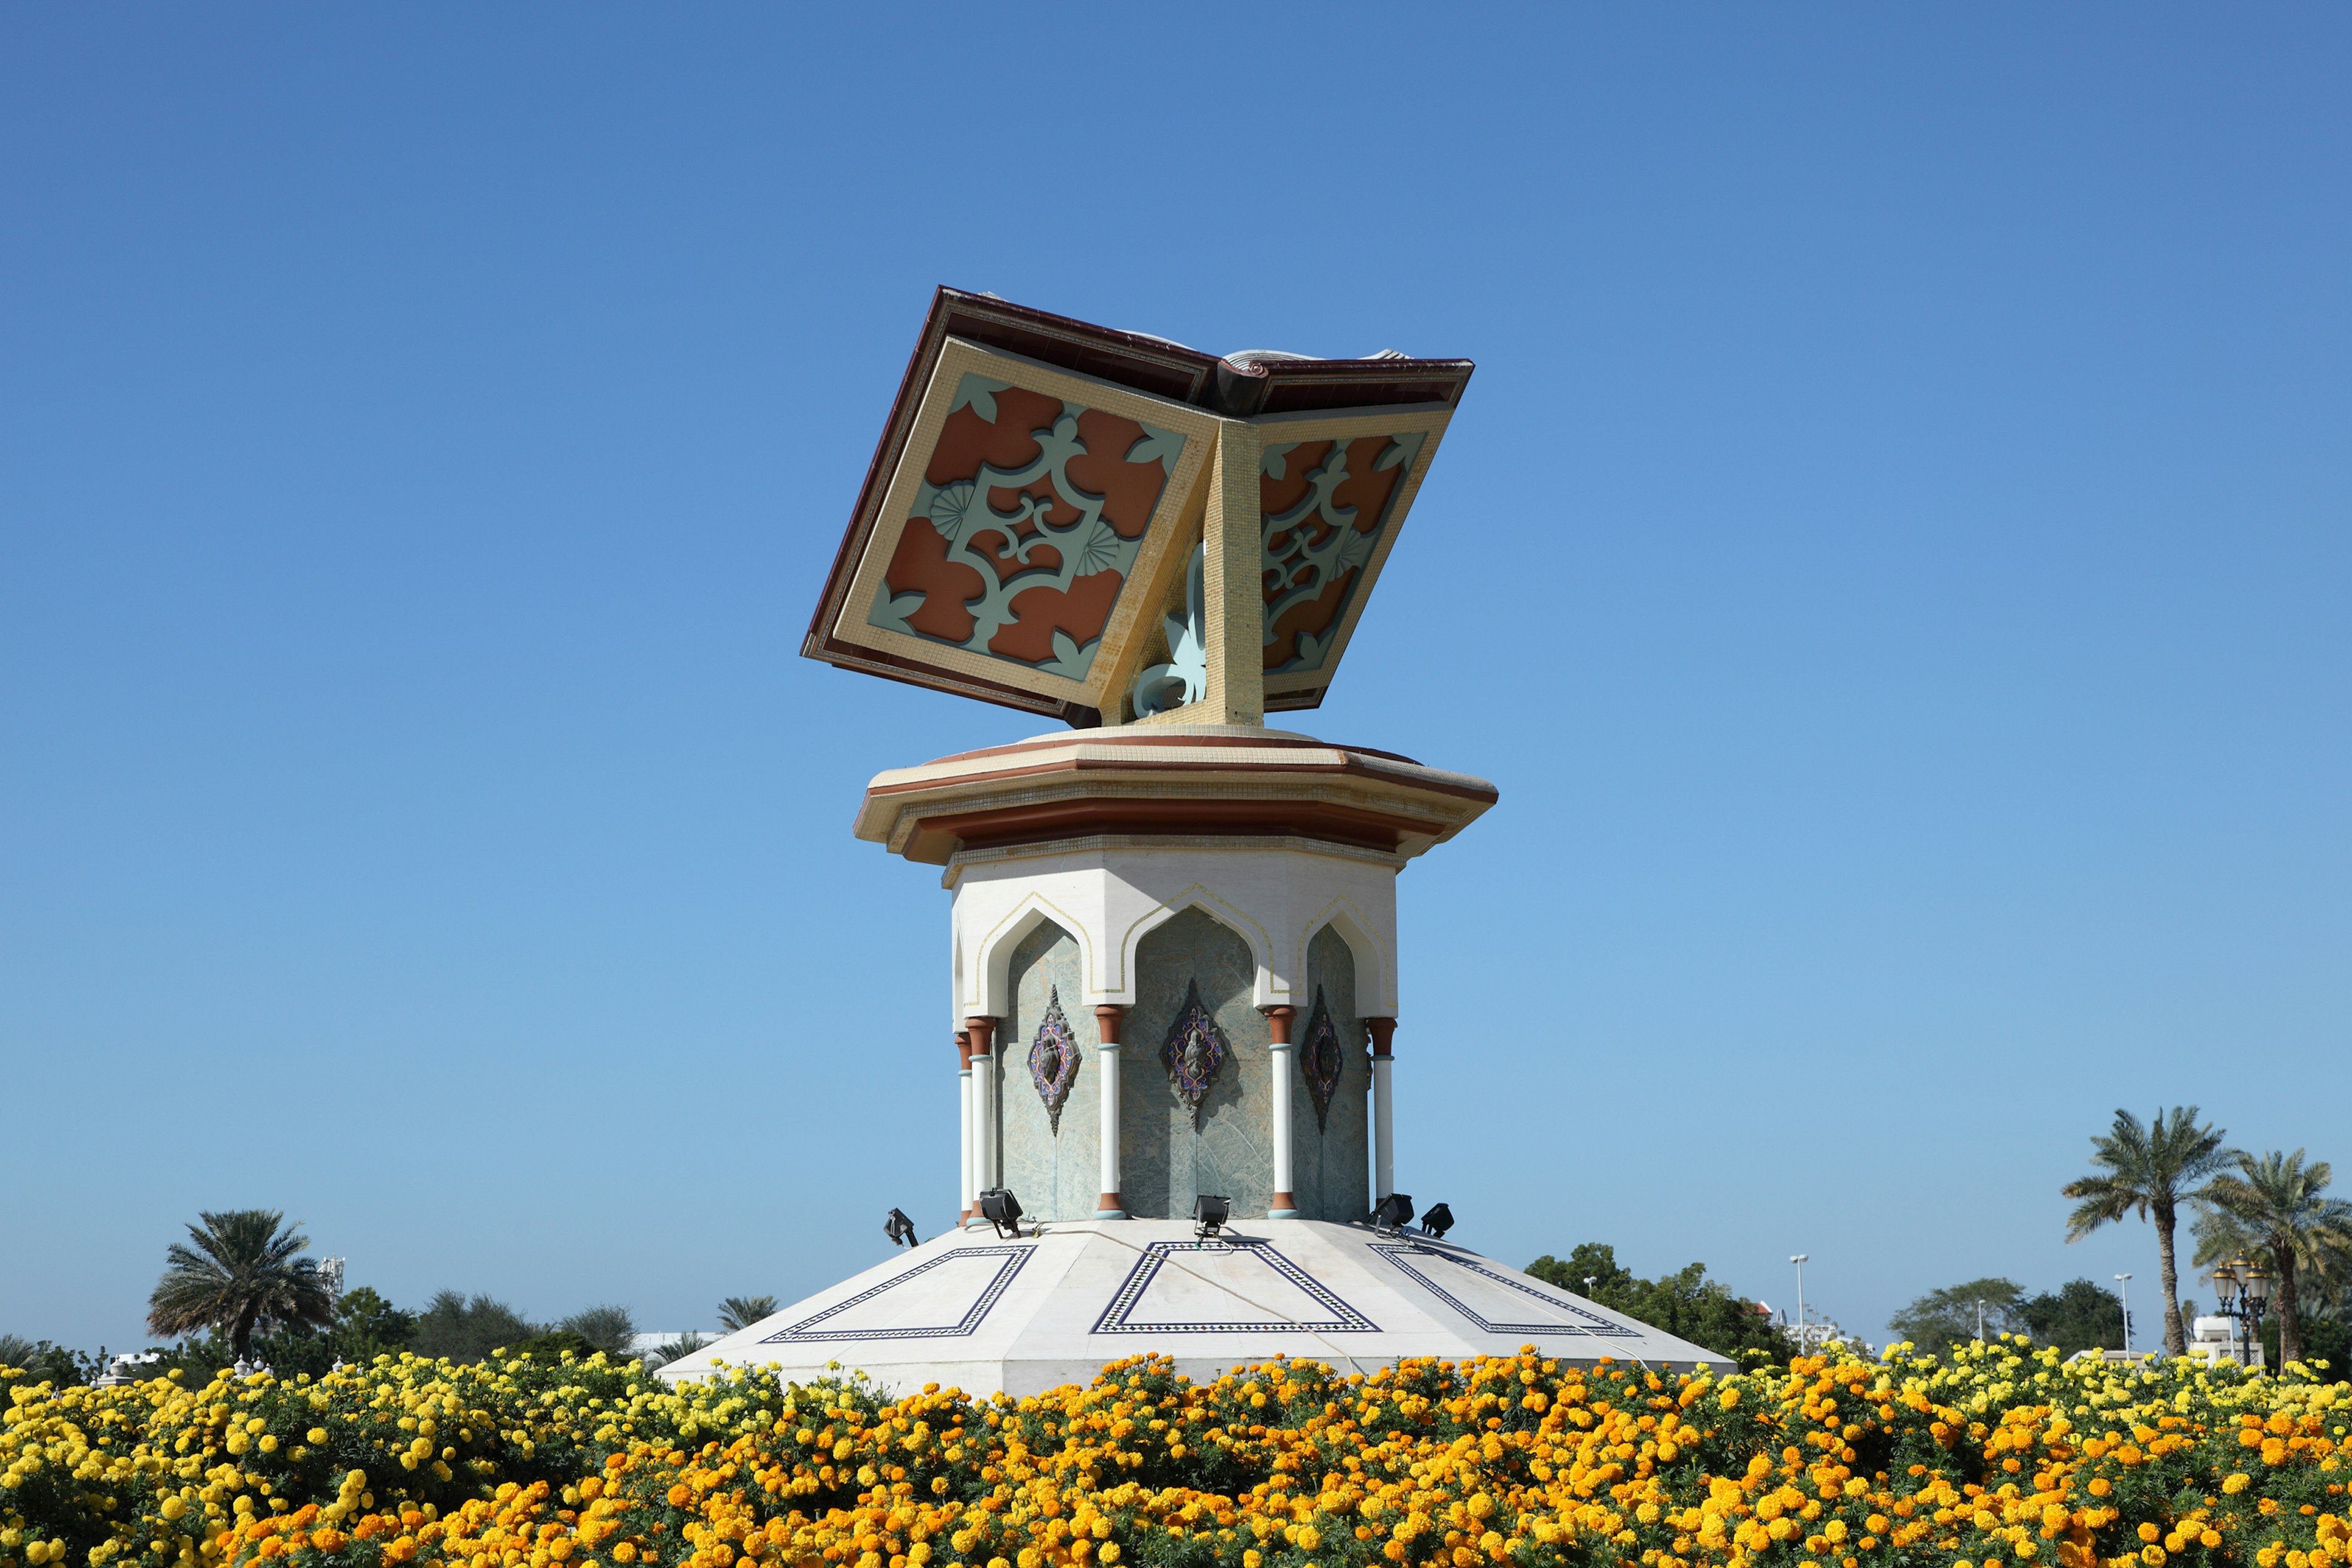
[1375, 971]
[1197, 897]
[988, 979]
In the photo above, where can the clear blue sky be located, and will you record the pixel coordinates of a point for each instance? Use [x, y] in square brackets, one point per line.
[1908, 467]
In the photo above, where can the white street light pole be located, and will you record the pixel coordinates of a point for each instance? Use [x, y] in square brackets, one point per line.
[1798, 1260]
[2125, 1281]
[1979, 1319]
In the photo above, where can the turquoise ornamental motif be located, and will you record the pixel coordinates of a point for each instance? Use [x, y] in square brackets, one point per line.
[1297, 566]
[961, 512]
[1185, 677]
[1054, 1060]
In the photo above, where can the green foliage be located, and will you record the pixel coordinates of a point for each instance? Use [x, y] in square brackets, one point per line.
[1941, 1319]
[607, 1328]
[2274, 1202]
[552, 1347]
[1686, 1304]
[43, 1362]
[2148, 1171]
[2079, 1315]
[453, 1327]
[365, 1326]
[737, 1313]
[244, 1275]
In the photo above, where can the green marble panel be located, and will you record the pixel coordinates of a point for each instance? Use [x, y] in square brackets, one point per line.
[1165, 1159]
[1055, 1176]
[1331, 1165]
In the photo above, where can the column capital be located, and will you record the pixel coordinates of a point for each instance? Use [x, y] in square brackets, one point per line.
[963, 1050]
[1383, 1032]
[1278, 1018]
[983, 1034]
[1108, 1016]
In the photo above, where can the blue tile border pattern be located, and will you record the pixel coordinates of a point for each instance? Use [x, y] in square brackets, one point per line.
[806, 1332]
[1344, 1318]
[1397, 1253]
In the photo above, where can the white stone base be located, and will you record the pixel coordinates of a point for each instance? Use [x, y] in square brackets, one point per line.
[970, 1310]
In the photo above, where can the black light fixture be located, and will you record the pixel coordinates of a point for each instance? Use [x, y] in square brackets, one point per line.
[1209, 1214]
[900, 1230]
[1437, 1221]
[1394, 1214]
[1000, 1209]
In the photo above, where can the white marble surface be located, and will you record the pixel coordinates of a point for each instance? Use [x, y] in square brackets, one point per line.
[972, 1310]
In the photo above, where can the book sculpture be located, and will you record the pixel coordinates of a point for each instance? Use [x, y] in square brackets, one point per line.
[1174, 960]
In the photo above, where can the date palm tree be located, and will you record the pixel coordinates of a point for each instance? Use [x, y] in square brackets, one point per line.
[2274, 1200]
[244, 1274]
[2148, 1171]
[739, 1312]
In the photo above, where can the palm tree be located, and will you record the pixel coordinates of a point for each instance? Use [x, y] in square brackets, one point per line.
[739, 1313]
[245, 1273]
[2148, 1171]
[2275, 1201]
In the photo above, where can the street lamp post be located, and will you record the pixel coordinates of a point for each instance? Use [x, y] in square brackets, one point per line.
[1798, 1260]
[2244, 1289]
[2124, 1281]
[1979, 1319]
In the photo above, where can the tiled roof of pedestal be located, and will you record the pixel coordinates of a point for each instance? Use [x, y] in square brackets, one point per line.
[1227, 780]
[1039, 484]
[984, 1313]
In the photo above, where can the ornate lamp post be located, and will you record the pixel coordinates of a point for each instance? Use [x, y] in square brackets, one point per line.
[2244, 1289]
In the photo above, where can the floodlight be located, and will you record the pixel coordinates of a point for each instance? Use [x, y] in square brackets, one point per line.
[1209, 1214]
[1394, 1214]
[1000, 1209]
[900, 1230]
[1437, 1221]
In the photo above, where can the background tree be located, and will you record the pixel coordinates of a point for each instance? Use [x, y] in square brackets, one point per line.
[2323, 1289]
[608, 1328]
[455, 1328]
[684, 1344]
[2149, 1171]
[244, 1272]
[42, 1361]
[1942, 1319]
[2274, 1202]
[2079, 1315]
[1688, 1304]
[737, 1313]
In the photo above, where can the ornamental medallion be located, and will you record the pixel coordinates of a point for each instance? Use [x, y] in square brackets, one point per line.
[1194, 1053]
[1054, 1060]
[1323, 1059]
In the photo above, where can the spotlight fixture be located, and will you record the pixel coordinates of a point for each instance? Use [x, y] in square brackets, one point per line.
[1000, 1209]
[900, 1230]
[1209, 1214]
[1437, 1221]
[1394, 1214]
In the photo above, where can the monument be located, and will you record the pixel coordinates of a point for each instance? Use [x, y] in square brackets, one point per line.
[1173, 964]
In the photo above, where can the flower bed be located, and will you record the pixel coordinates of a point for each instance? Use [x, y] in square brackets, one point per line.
[2000, 1457]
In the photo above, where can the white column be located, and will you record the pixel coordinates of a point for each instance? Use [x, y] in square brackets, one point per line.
[963, 1121]
[1383, 1110]
[1284, 1205]
[1108, 1018]
[983, 1105]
